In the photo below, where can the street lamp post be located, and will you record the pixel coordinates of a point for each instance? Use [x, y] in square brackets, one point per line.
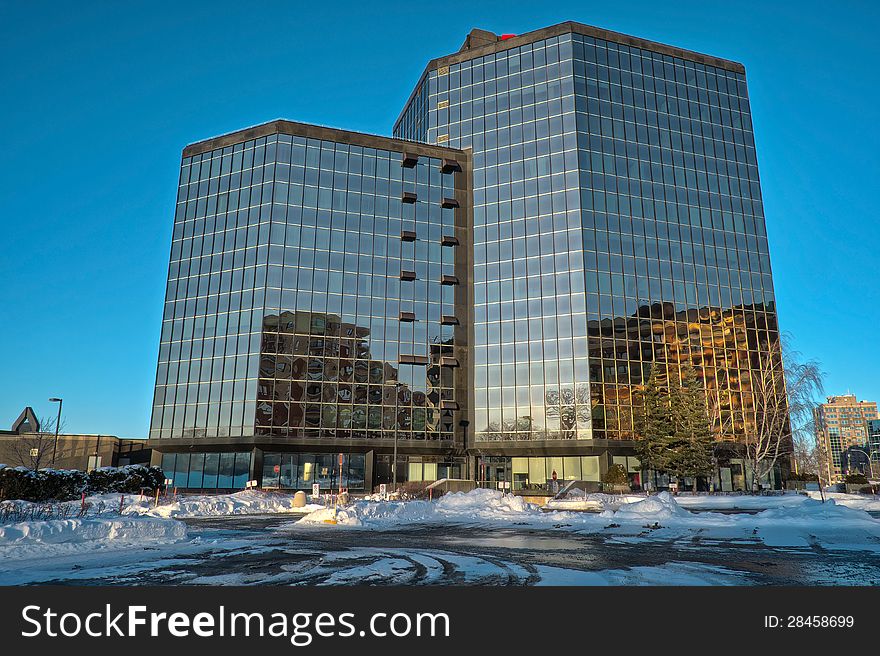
[60, 402]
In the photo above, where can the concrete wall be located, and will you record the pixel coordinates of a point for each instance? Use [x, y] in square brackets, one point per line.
[72, 452]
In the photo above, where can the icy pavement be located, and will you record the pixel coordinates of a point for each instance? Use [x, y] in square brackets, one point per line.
[269, 550]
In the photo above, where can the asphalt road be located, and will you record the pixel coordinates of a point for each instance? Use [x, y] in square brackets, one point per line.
[255, 550]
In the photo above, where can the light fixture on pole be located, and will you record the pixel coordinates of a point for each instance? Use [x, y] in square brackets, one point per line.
[60, 402]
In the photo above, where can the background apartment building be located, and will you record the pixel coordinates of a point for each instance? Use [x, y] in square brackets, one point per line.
[841, 423]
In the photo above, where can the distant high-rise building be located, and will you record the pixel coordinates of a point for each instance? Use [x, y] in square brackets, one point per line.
[842, 422]
[618, 223]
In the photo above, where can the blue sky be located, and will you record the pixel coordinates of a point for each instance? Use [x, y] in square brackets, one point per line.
[99, 99]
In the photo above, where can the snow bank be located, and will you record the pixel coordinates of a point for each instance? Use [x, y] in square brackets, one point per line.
[45, 539]
[739, 501]
[864, 502]
[580, 501]
[206, 505]
[798, 522]
[462, 507]
[212, 505]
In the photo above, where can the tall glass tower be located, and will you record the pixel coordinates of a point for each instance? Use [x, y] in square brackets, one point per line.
[317, 312]
[618, 223]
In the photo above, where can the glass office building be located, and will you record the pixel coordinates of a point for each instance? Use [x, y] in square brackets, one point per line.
[618, 223]
[317, 311]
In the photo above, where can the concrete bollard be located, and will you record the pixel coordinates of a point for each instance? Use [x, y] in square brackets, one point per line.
[299, 499]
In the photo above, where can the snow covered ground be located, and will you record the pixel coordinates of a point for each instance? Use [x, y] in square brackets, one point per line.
[597, 502]
[56, 549]
[797, 521]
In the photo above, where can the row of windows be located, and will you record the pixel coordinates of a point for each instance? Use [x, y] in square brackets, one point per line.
[303, 470]
[290, 202]
[625, 171]
[423, 422]
[307, 153]
[252, 225]
[207, 470]
[596, 104]
[718, 149]
[616, 56]
[249, 279]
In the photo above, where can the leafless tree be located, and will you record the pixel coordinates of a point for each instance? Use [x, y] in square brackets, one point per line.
[512, 429]
[572, 406]
[783, 392]
[805, 456]
[34, 450]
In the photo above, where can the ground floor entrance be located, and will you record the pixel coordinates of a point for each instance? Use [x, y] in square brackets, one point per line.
[364, 471]
[357, 472]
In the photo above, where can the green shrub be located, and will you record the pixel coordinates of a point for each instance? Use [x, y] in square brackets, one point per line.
[130, 479]
[65, 485]
[856, 479]
[616, 475]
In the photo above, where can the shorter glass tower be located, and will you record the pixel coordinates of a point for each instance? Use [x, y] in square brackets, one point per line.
[317, 311]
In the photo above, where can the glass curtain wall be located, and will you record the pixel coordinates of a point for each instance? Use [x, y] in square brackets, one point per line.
[287, 289]
[618, 223]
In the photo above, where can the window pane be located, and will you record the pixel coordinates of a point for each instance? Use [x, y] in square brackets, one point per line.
[212, 467]
[590, 468]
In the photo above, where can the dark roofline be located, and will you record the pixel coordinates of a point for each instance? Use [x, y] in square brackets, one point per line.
[575, 28]
[293, 128]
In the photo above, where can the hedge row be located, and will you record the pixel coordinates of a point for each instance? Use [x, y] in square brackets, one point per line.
[65, 485]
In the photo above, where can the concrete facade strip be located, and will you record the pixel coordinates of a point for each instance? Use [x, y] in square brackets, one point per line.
[293, 445]
[591, 31]
[539, 448]
[308, 131]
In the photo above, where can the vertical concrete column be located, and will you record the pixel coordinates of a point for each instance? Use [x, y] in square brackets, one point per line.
[256, 470]
[369, 483]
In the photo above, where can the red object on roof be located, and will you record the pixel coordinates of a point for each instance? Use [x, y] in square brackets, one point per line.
[504, 37]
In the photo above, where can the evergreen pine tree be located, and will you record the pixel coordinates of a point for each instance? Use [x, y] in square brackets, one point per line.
[691, 447]
[655, 424]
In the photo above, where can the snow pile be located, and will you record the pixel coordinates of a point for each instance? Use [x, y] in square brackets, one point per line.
[857, 501]
[56, 537]
[807, 524]
[747, 502]
[460, 507]
[213, 505]
[813, 522]
[580, 501]
[482, 501]
[661, 506]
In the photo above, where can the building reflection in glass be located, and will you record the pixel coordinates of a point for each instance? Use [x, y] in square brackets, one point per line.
[724, 346]
[318, 378]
